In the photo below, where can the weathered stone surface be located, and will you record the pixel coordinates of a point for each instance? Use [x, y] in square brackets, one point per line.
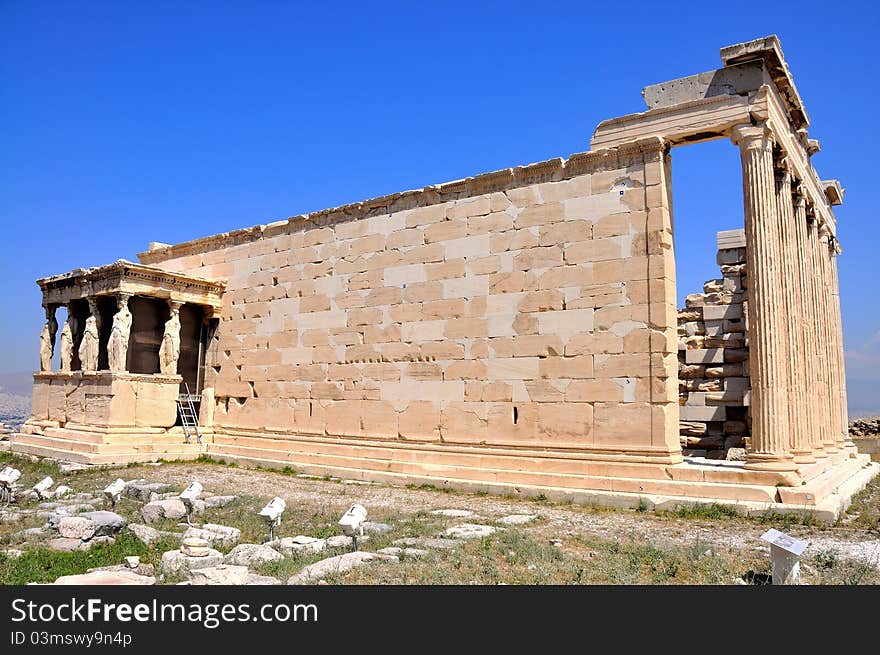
[216, 535]
[298, 544]
[29, 534]
[195, 547]
[375, 528]
[334, 565]
[11, 553]
[219, 501]
[106, 578]
[76, 527]
[66, 544]
[470, 531]
[168, 508]
[342, 541]
[175, 562]
[261, 580]
[142, 490]
[222, 574]
[107, 523]
[427, 542]
[397, 551]
[252, 555]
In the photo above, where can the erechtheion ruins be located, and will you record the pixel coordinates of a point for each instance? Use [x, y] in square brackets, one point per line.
[515, 332]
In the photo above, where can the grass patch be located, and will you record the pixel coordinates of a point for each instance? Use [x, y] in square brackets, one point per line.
[705, 511]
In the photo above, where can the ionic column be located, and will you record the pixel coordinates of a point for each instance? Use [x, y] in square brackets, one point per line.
[812, 382]
[830, 438]
[768, 351]
[47, 339]
[88, 345]
[169, 351]
[794, 325]
[846, 440]
[67, 340]
[117, 346]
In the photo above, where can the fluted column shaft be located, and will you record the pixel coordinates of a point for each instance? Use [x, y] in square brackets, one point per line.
[769, 351]
[812, 341]
[831, 436]
[794, 326]
[837, 326]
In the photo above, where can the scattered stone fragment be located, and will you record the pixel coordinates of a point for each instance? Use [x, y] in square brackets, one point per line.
[174, 562]
[141, 489]
[132, 561]
[217, 535]
[63, 491]
[106, 578]
[427, 542]
[253, 579]
[10, 517]
[195, 547]
[168, 508]
[108, 523]
[298, 544]
[98, 541]
[12, 553]
[222, 574]
[412, 553]
[72, 467]
[375, 528]
[517, 519]
[454, 513]
[736, 454]
[219, 501]
[76, 527]
[333, 565]
[470, 531]
[252, 555]
[65, 544]
[29, 534]
[140, 569]
[342, 541]
[145, 533]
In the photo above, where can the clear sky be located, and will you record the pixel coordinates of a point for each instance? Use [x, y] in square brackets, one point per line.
[123, 123]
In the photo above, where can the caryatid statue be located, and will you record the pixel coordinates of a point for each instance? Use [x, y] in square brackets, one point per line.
[117, 347]
[47, 339]
[169, 351]
[67, 341]
[88, 347]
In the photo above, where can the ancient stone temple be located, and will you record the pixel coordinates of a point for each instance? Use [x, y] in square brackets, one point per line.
[515, 332]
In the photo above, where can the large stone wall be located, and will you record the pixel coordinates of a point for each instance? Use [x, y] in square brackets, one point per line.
[532, 307]
[714, 384]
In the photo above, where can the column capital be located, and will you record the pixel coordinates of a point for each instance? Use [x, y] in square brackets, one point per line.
[175, 305]
[752, 137]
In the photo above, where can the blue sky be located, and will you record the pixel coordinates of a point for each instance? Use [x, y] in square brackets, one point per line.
[124, 123]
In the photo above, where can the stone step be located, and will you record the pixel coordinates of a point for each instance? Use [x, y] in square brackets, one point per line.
[824, 484]
[368, 468]
[89, 453]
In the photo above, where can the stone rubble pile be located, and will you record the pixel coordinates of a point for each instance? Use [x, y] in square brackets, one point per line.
[82, 531]
[865, 427]
[713, 357]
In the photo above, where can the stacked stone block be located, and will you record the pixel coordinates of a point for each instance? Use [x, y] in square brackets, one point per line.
[713, 359]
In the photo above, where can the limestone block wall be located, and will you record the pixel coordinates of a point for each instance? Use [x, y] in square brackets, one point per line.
[713, 358]
[531, 307]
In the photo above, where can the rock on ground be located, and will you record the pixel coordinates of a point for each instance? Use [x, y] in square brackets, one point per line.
[470, 531]
[216, 535]
[253, 580]
[145, 533]
[140, 569]
[403, 552]
[375, 528]
[332, 565]
[427, 542]
[343, 541]
[65, 544]
[106, 578]
[142, 490]
[454, 513]
[222, 574]
[176, 563]
[12, 553]
[169, 508]
[76, 527]
[108, 523]
[219, 501]
[517, 519]
[252, 555]
[298, 544]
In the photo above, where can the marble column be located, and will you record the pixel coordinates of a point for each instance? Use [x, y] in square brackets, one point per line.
[89, 344]
[794, 325]
[837, 326]
[768, 338]
[169, 350]
[830, 438]
[812, 341]
[47, 339]
[117, 346]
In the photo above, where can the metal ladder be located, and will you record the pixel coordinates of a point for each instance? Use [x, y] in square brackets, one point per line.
[188, 416]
